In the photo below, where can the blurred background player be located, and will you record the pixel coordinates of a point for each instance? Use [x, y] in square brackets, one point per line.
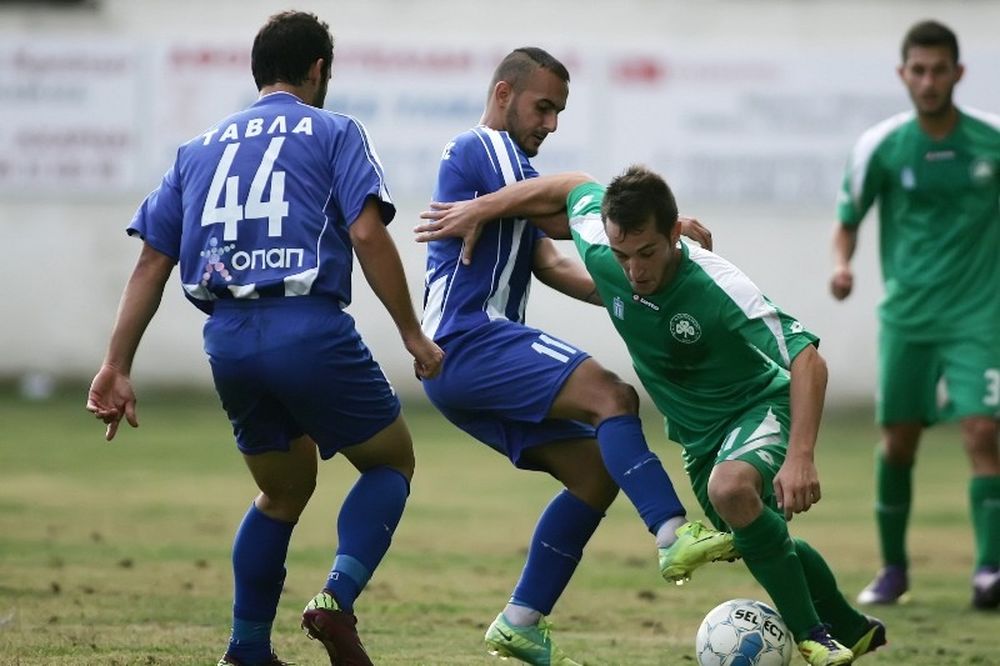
[740, 383]
[262, 212]
[527, 394]
[935, 172]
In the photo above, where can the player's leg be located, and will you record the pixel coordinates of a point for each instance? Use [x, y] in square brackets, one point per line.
[314, 377]
[972, 378]
[283, 464]
[286, 480]
[739, 487]
[365, 525]
[557, 545]
[908, 377]
[595, 395]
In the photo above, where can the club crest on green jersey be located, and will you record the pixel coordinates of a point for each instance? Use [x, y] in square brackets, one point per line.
[982, 171]
[685, 328]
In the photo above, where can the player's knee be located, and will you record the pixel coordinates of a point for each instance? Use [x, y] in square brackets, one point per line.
[980, 437]
[980, 433]
[731, 495]
[286, 500]
[617, 398]
[598, 491]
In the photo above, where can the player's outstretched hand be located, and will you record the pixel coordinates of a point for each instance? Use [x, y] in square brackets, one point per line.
[695, 230]
[110, 398]
[427, 356]
[842, 282]
[457, 219]
[796, 486]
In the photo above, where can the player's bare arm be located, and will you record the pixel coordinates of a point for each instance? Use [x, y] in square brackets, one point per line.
[111, 396]
[796, 485]
[563, 274]
[383, 270]
[845, 241]
[539, 199]
[696, 231]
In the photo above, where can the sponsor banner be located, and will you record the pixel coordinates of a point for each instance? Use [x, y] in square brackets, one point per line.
[769, 126]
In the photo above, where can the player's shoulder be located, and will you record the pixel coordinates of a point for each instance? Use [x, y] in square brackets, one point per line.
[982, 121]
[713, 267]
[477, 139]
[890, 128]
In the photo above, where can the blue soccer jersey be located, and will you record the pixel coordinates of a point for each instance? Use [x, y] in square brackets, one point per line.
[260, 204]
[495, 286]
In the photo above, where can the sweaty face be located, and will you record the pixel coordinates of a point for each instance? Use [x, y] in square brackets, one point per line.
[648, 257]
[930, 75]
[534, 108]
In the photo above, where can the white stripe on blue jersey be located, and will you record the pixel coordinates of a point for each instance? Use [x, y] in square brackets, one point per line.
[496, 285]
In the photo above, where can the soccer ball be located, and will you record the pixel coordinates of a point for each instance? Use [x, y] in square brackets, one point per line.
[743, 632]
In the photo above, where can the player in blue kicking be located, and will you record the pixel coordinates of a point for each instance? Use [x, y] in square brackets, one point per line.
[532, 396]
[262, 212]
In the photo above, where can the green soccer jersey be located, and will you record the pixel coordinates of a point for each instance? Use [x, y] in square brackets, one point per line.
[939, 221]
[707, 347]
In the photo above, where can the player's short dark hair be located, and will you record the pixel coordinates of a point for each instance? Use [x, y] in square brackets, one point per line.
[288, 44]
[930, 33]
[635, 196]
[519, 63]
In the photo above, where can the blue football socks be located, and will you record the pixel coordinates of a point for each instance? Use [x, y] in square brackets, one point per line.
[637, 470]
[259, 551]
[368, 518]
[563, 530]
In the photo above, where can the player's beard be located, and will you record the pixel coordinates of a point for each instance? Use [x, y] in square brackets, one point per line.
[512, 121]
[320, 99]
[931, 109]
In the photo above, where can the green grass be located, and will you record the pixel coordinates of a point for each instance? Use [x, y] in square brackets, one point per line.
[119, 553]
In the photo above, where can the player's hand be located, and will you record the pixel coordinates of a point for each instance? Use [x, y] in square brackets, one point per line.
[427, 356]
[110, 398]
[796, 486]
[696, 231]
[457, 219]
[842, 282]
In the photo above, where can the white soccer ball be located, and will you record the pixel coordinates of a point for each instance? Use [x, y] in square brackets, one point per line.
[743, 632]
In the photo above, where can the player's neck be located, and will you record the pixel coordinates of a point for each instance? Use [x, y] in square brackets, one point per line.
[298, 91]
[939, 125]
[493, 119]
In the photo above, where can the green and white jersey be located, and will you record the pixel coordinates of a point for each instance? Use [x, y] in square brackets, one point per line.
[707, 347]
[939, 221]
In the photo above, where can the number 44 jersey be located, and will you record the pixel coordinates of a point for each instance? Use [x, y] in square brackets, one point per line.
[260, 204]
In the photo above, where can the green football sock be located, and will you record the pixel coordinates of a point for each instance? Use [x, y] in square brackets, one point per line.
[768, 552]
[984, 501]
[847, 625]
[893, 497]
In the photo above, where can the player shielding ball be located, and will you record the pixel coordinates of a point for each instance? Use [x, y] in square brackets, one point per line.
[529, 394]
[740, 382]
[262, 212]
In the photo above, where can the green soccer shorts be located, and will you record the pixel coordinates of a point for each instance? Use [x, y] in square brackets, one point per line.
[929, 381]
[758, 437]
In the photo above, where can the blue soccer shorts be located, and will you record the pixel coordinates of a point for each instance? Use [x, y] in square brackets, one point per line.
[498, 383]
[287, 367]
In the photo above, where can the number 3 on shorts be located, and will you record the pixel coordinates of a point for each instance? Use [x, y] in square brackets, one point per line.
[992, 398]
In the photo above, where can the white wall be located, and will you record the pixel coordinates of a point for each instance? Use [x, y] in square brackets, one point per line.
[736, 149]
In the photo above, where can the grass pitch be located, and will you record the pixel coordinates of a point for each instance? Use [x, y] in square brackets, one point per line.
[119, 553]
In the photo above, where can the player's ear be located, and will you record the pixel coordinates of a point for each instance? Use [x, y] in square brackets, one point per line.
[675, 233]
[503, 92]
[317, 71]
